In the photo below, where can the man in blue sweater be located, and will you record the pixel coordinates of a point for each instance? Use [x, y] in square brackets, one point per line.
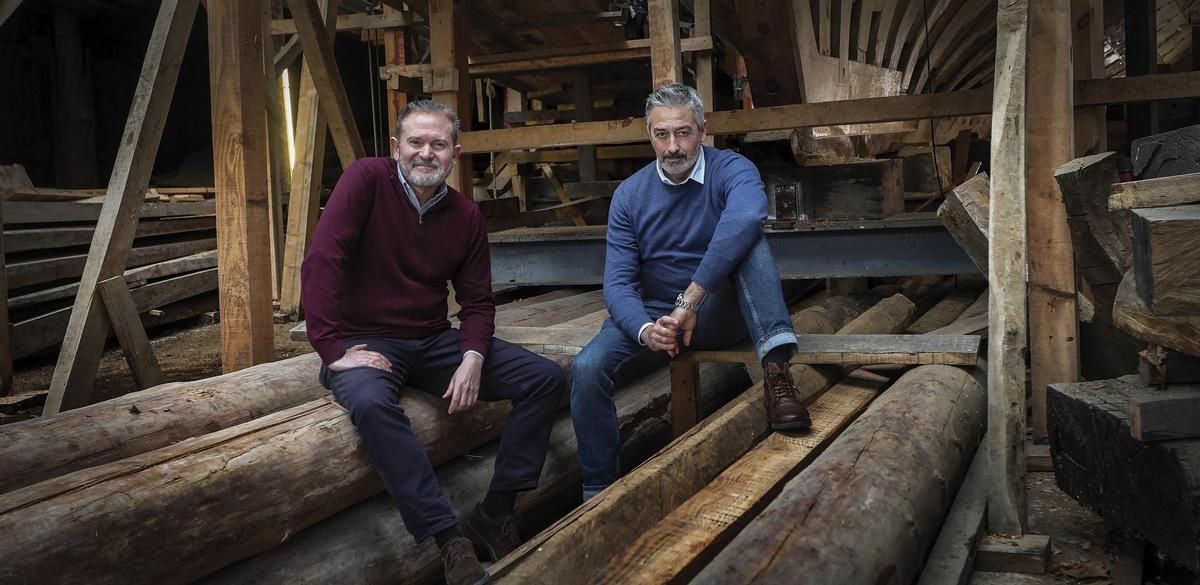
[686, 262]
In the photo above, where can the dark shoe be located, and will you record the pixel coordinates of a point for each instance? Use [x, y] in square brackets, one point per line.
[460, 565]
[784, 410]
[496, 537]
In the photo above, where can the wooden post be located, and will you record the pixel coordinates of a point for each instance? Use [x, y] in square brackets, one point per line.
[74, 114]
[279, 174]
[128, 326]
[1091, 124]
[239, 148]
[1141, 58]
[84, 340]
[395, 45]
[1006, 275]
[702, 12]
[307, 175]
[448, 53]
[318, 53]
[666, 62]
[583, 113]
[685, 396]
[1053, 324]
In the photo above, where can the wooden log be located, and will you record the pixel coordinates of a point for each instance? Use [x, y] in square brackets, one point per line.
[369, 544]
[140, 422]
[1085, 183]
[1166, 259]
[945, 312]
[1160, 192]
[1147, 489]
[578, 546]
[880, 490]
[953, 553]
[216, 498]
[1168, 414]
[1131, 315]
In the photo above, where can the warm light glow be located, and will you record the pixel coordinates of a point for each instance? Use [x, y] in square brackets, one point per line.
[287, 116]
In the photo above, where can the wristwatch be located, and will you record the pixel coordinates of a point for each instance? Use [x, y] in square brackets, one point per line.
[682, 304]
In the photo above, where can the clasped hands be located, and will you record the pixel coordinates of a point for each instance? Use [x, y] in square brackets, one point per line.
[664, 334]
[462, 392]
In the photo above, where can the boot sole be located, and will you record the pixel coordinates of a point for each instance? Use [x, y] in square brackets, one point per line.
[792, 426]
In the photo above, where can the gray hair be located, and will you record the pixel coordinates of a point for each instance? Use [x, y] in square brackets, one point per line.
[673, 96]
[428, 107]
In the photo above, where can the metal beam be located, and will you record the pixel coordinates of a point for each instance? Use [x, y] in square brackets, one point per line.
[915, 247]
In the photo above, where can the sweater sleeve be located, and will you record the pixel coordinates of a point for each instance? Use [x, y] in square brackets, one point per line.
[622, 261]
[473, 291]
[740, 225]
[322, 275]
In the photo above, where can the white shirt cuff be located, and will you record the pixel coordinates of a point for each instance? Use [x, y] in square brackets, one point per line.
[470, 351]
[641, 331]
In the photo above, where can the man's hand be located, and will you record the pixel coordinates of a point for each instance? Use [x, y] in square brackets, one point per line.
[687, 323]
[661, 336]
[359, 357]
[464, 385]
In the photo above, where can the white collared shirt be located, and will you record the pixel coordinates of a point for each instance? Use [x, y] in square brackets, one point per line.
[412, 195]
[696, 175]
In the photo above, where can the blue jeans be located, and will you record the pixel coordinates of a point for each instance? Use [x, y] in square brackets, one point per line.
[613, 358]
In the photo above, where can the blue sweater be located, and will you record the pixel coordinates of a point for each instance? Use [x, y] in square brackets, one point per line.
[663, 237]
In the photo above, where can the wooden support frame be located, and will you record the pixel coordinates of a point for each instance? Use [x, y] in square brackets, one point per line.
[318, 53]
[1053, 321]
[239, 145]
[1006, 276]
[666, 64]
[1087, 42]
[702, 14]
[130, 333]
[448, 53]
[583, 113]
[307, 176]
[87, 330]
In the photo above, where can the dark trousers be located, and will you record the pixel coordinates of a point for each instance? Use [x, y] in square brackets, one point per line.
[533, 384]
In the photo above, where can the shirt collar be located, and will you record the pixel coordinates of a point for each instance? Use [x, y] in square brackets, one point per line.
[412, 195]
[696, 175]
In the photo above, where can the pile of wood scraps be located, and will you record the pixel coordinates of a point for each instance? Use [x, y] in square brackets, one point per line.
[1127, 447]
[46, 244]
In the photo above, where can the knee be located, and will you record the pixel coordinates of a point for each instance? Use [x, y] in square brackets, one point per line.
[587, 365]
[552, 380]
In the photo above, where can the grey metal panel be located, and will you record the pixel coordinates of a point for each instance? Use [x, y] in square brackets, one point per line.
[843, 249]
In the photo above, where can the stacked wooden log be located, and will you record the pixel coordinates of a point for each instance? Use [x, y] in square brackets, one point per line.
[1127, 447]
[46, 240]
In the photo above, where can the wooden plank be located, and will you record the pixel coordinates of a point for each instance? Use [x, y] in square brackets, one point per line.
[666, 65]
[356, 22]
[448, 53]
[123, 315]
[24, 240]
[1166, 259]
[32, 272]
[572, 154]
[1006, 277]
[841, 349]
[117, 222]
[307, 176]
[953, 554]
[1160, 192]
[31, 212]
[133, 276]
[1169, 414]
[239, 133]
[1053, 322]
[678, 545]
[685, 396]
[1029, 553]
[318, 53]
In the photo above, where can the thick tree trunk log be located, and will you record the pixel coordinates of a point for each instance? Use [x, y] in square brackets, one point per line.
[1150, 489]
[42, 448]
[369, 544]
[183, 511]
[578, 547]
[867, 510]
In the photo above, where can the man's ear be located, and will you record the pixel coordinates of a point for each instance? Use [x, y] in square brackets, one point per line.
[395, 148]
[457, 151]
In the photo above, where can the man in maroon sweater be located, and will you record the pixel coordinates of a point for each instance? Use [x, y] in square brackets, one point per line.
[374, 289]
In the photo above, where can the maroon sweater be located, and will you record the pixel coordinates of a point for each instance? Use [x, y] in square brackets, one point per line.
[376, 270]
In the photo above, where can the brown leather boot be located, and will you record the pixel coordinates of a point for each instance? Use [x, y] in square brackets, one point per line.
[496, 537]
[784, 410]
[460, 566]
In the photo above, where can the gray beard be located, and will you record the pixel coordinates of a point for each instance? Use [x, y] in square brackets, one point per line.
[424, 181]
[679, 167]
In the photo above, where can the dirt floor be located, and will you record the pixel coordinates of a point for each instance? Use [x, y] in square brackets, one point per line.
[185, 354]
[1083, 548]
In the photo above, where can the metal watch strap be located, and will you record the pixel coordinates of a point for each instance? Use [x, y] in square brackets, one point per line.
[682, 304]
